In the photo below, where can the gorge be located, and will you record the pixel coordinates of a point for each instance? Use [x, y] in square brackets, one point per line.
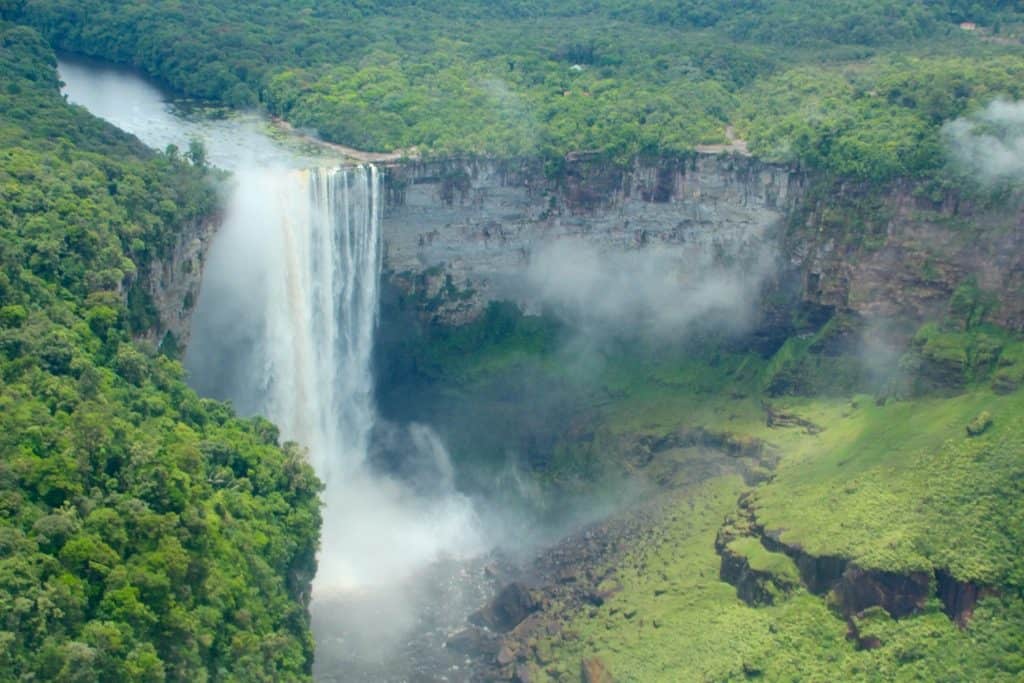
[604, 332]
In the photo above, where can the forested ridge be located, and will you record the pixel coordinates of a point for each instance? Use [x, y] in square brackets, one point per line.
[145, 534]
[855, 88]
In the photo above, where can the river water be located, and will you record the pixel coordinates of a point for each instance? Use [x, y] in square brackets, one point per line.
[284, 327]
[234, 141]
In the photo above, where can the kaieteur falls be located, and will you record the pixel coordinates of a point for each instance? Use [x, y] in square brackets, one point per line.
[285, 328]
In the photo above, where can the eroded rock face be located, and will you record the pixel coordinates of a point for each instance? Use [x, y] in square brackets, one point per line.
[752, 587]
[898, 594]
[853, 590]
[460, 233]
[959, 598]
[173, 282]
[893, 253]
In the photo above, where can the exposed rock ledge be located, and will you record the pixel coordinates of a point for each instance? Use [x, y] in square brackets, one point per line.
[471, 226]
[172, 282]
[853, 590]
[883, 253]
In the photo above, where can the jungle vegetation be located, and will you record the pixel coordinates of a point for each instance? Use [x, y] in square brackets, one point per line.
[856, 88]
[146, 534]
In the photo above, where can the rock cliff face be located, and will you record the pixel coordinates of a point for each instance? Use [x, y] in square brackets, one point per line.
[896, 253]
[173, 282]
[461, 233]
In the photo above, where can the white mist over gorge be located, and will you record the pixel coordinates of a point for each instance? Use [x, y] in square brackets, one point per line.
[654, 291]
[990, 143]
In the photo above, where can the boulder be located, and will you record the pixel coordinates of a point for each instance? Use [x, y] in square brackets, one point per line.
[513, 604]
[474, 642]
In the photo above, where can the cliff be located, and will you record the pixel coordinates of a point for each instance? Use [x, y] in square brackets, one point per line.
[171, 282]
[899, 252]
[461, 233]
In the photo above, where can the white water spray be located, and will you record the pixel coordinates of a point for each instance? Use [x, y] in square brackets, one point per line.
[321, 312]
[285, 328]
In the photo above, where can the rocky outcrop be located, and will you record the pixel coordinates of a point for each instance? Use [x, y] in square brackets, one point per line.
[172, 282]
[776, 418]
[754, 586]
[474, 642]
[898, 253]
[959, 598]
[510, 607]
[852, 590]
[898, 594]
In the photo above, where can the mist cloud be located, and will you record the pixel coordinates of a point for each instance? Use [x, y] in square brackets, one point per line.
[990, 143]
[655, 291]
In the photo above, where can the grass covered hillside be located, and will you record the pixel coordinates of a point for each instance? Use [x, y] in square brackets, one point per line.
[873, 536]
[145, 534]
[899, 492]
[859, 88]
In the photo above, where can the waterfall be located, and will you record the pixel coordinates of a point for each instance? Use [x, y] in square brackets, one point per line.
[284, 327]
[321, 314]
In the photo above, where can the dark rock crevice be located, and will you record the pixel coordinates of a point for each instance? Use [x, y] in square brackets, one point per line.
[851, 589]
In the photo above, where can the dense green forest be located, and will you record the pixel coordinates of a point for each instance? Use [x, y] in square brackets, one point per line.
[145, 534]
[859, 88]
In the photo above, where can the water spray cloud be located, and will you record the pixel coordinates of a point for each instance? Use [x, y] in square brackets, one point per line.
[990, 143]
[654, 291]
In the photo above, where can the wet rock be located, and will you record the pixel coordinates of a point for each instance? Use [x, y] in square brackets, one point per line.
[594, 670]
[959, 598]
[474, 642]
[524, 674]
[507, 654]
[898, 594]
[513, 604]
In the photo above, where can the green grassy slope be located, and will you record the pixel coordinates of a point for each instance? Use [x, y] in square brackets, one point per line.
[897, 485]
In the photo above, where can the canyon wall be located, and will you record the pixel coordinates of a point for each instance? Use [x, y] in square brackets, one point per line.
[460, 233]
[172, 281]
[899, 252]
